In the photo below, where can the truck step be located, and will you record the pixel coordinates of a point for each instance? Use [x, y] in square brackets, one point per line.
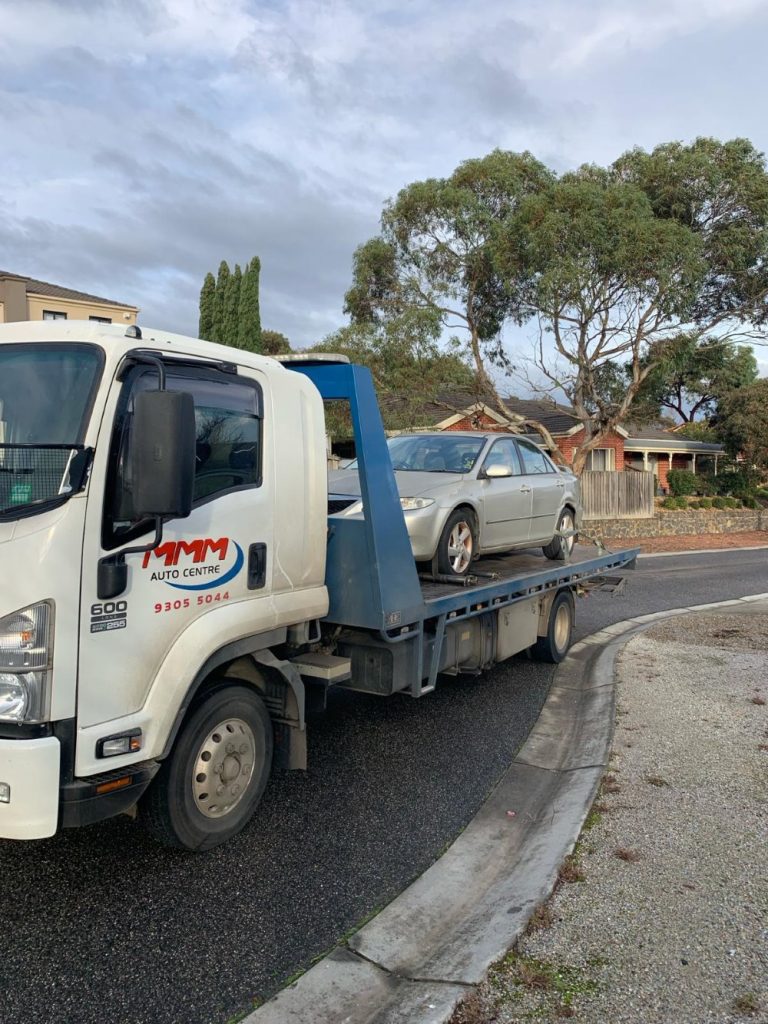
[327, 667]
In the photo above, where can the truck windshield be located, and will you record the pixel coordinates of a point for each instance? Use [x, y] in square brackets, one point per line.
[45, 396]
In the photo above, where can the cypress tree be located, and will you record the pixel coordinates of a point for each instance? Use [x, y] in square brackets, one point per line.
[229, 331]
[219, 318]
[207, 307]
[249, 318]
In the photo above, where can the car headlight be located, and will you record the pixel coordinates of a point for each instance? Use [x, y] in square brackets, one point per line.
[26, 650]
[409, 504]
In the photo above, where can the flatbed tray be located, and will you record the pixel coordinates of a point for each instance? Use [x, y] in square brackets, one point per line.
[501, 580]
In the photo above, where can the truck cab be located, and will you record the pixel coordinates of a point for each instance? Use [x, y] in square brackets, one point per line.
[95, 677]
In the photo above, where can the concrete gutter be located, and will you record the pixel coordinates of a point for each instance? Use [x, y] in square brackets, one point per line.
[419, 957]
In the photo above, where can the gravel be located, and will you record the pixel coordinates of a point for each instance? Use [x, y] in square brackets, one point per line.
[670, 925]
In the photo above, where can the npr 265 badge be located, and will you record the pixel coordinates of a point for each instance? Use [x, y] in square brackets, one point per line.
[198, 564]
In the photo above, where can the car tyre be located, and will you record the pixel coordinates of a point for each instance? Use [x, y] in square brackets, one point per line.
[230, 730]
[560, 548]
[457, 546]
[553, 646]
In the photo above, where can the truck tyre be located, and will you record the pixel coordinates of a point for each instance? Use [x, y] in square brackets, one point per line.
[553, 646]
[212, 781]
[458, 543]
[560, 548]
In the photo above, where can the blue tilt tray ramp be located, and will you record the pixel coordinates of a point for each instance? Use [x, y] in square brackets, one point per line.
[371, 574]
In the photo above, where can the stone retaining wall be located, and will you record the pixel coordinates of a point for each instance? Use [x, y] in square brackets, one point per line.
[672, 524]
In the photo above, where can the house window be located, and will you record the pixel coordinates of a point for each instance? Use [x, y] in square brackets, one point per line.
[601, 459]
[52, 314]
[101, 319]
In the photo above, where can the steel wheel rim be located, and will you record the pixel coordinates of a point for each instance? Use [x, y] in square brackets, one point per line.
[562, 627]
[567, 524]
[223, 768]
[460, 547]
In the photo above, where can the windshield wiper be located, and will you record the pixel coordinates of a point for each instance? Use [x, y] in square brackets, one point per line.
[35, 477]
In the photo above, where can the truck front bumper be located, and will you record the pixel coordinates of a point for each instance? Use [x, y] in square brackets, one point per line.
[29, 786]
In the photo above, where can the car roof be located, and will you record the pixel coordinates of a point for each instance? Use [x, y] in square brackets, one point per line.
[442, 433]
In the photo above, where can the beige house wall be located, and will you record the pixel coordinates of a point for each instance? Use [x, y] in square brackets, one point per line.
[77, 309]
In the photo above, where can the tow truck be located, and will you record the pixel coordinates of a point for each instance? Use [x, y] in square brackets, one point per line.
[175, 596]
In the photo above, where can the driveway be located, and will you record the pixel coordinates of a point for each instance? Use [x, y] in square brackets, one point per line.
[100, 923]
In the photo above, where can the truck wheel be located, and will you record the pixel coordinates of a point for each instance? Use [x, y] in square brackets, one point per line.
[213, 779]
[458, 543]
[553, 646]
[560, 548]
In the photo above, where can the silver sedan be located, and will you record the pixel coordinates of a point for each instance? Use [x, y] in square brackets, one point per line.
[467, 493]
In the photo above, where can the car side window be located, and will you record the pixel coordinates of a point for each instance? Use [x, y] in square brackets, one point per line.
[533, 458]
[503, 453]
[227, 448]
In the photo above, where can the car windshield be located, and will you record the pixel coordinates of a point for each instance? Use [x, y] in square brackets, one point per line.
[45, 394]
[430, 453]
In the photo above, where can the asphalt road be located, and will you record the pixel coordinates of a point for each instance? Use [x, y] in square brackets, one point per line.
[100, 923]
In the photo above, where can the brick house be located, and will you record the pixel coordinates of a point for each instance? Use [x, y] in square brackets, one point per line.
[655, 449]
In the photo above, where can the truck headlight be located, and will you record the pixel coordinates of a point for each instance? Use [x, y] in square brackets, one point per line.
[410, 504]
[26, 650]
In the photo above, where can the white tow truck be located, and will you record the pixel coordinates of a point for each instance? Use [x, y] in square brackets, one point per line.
[175, 591]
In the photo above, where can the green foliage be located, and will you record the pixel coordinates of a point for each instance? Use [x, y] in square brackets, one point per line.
[229, 306]
[249, 316]
[748, 501]
[228, 331]
[732, 503]
[742, 423]
[692, 374]
[705, 484]
[694, 505]
[207, 307]
[219, 321]
[739, 482]
[719, 502]
[669, 503]
[409, 370]
[682, 481]
[681, 502]
[698, 430]
[273, 343]
[705, 503]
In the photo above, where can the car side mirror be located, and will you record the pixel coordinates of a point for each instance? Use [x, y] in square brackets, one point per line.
[163, 453]
[498, 470]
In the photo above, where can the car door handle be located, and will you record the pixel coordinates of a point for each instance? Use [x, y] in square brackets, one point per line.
[561, 483]
[525, 489]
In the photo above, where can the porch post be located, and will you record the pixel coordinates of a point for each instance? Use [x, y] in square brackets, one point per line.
[693, 462]
[645, 459]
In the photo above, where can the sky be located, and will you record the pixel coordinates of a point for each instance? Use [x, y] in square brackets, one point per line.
[143, 141]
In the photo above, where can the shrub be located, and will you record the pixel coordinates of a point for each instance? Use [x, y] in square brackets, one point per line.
[736, 481]
[681, 481]
[732, 503]
[718, 503]
[694, 504]
[669, 503]
[705, 503]
[680, 502]
[705, 485]
[750, 502]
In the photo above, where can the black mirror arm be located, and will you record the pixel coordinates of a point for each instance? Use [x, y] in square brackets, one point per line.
[112, 574]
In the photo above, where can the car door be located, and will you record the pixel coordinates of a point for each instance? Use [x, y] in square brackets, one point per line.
[547, 490]
[506, 500]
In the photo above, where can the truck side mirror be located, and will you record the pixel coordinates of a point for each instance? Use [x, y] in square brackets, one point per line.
[163, 453]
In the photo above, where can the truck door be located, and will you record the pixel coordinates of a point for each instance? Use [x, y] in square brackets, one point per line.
[214, 564]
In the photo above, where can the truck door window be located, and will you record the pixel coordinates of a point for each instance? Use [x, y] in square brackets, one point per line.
[228, 445]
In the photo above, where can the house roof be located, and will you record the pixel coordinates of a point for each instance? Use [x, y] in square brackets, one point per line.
[56, 291]
[556, 418]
